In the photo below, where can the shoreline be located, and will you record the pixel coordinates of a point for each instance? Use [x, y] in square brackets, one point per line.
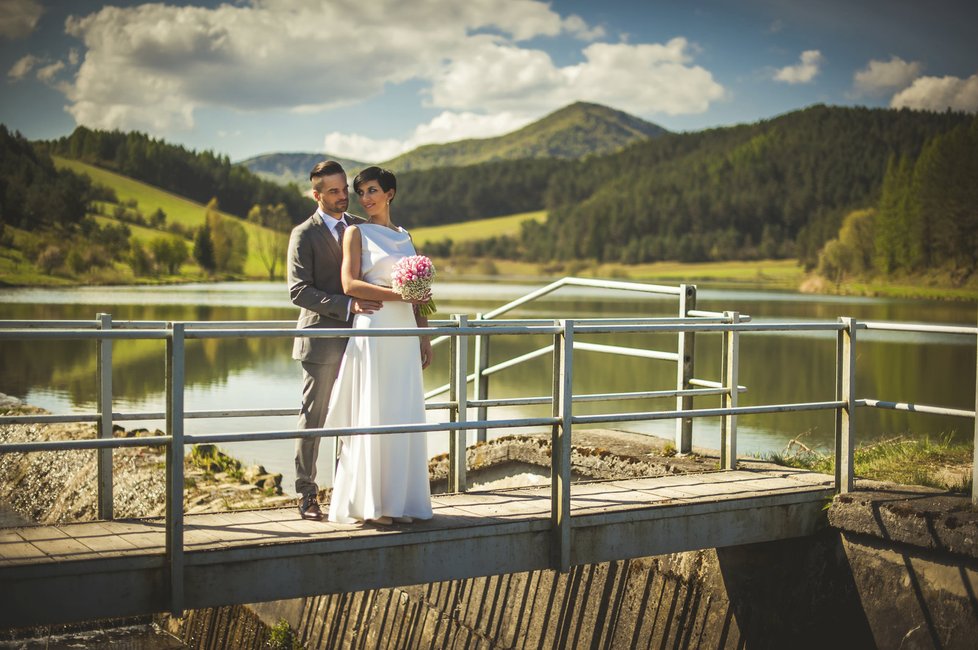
[719, 275]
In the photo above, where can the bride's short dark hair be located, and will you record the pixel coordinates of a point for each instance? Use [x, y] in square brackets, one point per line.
[384, 177]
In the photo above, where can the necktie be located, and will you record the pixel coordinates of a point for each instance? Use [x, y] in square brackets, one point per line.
[340, 227]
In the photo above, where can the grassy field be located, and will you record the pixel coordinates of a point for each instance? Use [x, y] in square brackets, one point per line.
[149, 198]
[938, 464]
[771, 274]
[474, 230]
[178, 210]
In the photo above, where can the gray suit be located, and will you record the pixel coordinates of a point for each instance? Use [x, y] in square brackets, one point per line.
[315, 286]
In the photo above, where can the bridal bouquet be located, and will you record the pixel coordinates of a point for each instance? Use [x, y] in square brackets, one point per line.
[411, 278]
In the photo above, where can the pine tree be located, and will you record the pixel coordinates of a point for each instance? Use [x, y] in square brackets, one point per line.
[204, 249]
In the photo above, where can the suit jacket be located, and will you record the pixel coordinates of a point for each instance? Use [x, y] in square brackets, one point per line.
[315, 287]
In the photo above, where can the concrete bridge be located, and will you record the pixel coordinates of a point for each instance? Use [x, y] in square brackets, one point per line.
[80, 571]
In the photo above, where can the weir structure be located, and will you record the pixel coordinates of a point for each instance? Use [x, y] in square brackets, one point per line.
[114, 568]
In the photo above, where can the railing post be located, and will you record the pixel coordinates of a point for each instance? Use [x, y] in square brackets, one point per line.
[684, 371]
[845, 416]
[730, 371]
[175, 373]
[481, 379]
[104, 396]
[974, 459]
[560, 446]
[459, 388]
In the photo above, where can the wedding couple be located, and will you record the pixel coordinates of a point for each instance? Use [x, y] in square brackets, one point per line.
[340, 275]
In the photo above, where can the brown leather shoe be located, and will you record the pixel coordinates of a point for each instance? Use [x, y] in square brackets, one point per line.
[309, 507]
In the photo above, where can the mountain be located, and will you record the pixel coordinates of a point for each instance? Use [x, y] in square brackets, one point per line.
[572, 132]
[288, 168]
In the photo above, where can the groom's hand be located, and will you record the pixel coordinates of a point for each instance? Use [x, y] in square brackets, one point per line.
[360, 306]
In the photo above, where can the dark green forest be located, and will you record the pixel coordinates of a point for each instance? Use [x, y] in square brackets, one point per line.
[926, 220]
[778, 188]
[33, 194]
[456, 194]
[200, 176]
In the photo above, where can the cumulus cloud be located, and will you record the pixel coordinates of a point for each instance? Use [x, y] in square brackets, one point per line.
[22, 67]
[886, 76]
[642, 78]
[446, 127]
[174, 59]
[152, 66]
[939, 94]
[18, 18]
[802, 72]
[49, 72]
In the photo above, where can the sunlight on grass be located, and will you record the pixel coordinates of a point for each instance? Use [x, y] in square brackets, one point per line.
[939, 464]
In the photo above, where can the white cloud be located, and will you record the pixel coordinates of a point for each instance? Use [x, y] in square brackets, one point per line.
[152, 66]
[882, 76]
[49, 72]
[18, 18]
[804, 71]
[446, 127]
[939, 94]
[22, 67]
[641, 78]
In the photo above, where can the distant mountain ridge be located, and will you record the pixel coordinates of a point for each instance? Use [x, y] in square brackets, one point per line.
[288, 168]
[575, 131]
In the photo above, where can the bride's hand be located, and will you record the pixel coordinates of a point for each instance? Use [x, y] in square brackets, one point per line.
[426, 352]
[421, 301]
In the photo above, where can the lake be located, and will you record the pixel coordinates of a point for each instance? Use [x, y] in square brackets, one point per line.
[259, 373]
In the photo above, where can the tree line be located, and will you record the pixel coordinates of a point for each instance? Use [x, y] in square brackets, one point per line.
[926, 219]
[200, 176]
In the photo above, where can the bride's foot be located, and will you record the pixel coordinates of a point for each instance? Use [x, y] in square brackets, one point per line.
[404, 520]
[381, 521]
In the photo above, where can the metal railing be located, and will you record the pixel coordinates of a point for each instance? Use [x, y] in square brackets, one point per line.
[458, 331]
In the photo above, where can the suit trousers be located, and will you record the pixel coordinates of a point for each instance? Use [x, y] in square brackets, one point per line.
[317, 384]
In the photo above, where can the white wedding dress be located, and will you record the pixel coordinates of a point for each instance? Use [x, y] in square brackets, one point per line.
[380, 383]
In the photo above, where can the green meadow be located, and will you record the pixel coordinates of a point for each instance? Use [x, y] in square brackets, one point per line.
[178, 210]
[475, 230]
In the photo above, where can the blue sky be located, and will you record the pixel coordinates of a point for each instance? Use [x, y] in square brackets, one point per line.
[369, 80]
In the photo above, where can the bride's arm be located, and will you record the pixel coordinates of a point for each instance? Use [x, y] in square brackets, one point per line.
[350, 273]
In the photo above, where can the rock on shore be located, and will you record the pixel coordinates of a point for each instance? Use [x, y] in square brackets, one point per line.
[60, 486]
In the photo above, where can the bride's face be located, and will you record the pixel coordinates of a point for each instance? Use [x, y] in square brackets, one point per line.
[374, 199]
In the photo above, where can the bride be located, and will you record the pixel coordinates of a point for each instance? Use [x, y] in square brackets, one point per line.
[379, 478]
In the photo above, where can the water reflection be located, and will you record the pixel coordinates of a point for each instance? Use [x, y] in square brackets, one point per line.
[259, 373]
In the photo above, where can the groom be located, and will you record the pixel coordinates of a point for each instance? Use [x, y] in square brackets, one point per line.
[315, 256]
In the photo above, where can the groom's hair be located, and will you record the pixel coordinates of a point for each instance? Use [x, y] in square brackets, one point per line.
[324, 168]
[384, 177]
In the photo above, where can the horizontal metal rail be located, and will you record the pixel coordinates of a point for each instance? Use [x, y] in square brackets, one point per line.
[915, 408]
[706, 383]
[917, 327]
[582, 282]
[287, 434]
[83, 444]
[705, 413]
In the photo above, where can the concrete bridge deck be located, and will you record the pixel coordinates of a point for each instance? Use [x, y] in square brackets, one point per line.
[70, 572]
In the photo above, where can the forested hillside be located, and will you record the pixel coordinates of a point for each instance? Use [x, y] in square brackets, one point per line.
[778, 188]
[455, 194]
[33, 194]
[926, 220]
[200, 176]
[575, 131]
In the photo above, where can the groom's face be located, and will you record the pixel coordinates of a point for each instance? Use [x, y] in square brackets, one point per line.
[333, 195]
